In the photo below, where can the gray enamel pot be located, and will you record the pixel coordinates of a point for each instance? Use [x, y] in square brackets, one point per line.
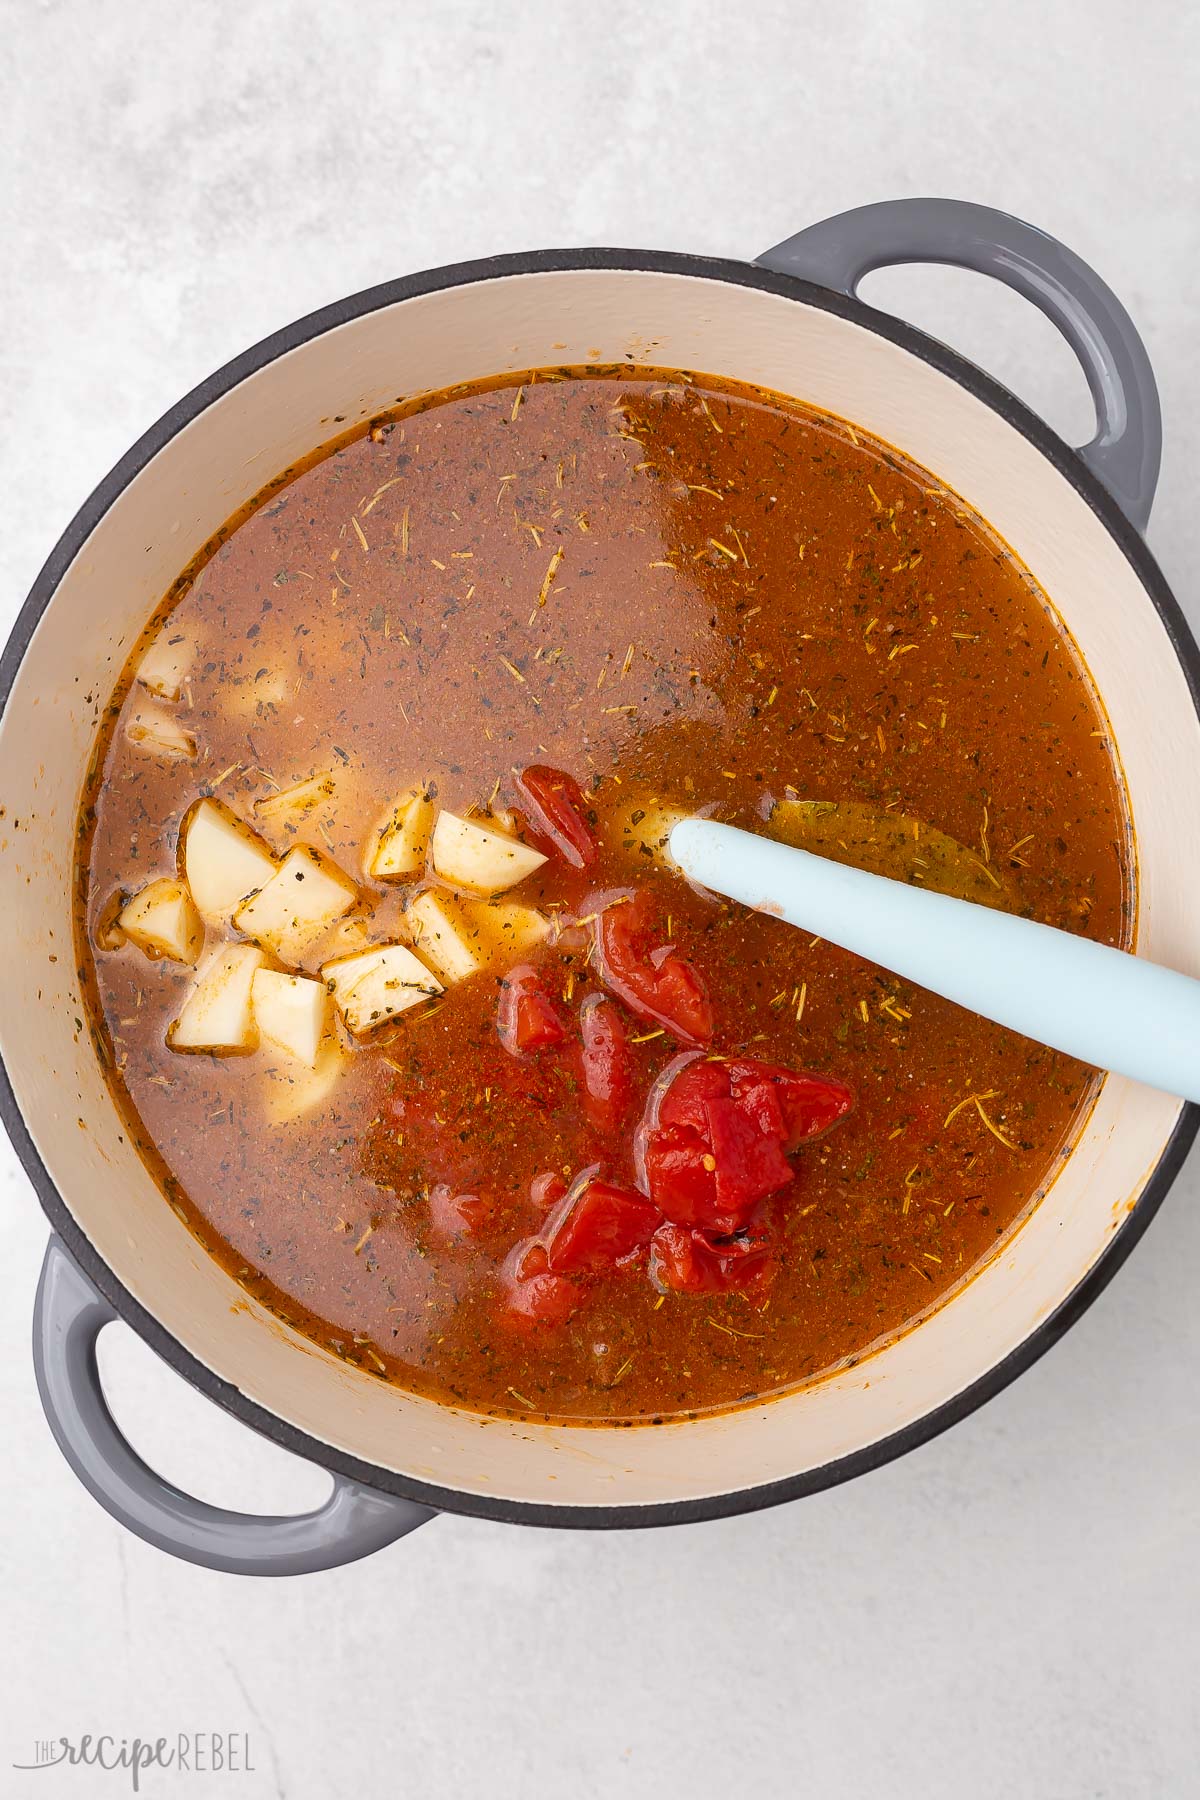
[792, 322]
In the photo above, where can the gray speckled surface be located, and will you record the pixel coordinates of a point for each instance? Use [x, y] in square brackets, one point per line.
[1010, 1611]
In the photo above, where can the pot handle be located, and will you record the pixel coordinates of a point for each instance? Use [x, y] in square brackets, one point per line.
[69, 1315]
[1127, 448]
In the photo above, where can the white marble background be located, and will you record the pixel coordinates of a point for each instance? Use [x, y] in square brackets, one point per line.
[1010, 1612]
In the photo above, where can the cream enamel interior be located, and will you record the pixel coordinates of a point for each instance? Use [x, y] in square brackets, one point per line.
[203, 475]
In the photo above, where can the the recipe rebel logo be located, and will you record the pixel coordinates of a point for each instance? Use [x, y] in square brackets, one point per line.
[191, 1753]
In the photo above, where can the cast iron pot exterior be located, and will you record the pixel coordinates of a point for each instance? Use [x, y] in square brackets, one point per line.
[372, 1505]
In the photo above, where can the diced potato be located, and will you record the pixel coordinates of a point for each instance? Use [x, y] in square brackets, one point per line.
[291, 1012]
[305, 896]
[403, 843]
[291, 806]
[641, 827]
[378, 985]
[294, 1091]
[473, 856]
[162, 921]
[159, 734]
[223, 861]
[445, 936]
[505, 928]
[218, 1014]
[166, 663]
[106, 932]
[460, 937]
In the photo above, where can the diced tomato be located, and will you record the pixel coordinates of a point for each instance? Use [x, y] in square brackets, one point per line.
[715, 1142]
[526, 1018]
[808, 1104]
[683, 1101]
[688, 1262]
[454, 1215]
[759, 1101]
[533, 1294]
[557, 812]
[547, 1190]
[607, 1064]
[653, 980]
[598, 1226]
[681, 1175]
[750, 1162]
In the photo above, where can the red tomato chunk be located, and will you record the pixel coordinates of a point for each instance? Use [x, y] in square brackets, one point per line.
[533, 1294]
[557, 813]
[607, 1064]
[681, 1175]
[714, 1146]
[750, 1161]
[688, 1262]
[718, 1144]
[650, 977]
[598, 1226]
[809, 1104]
[526, 1018]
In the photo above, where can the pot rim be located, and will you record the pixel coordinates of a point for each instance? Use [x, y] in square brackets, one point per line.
[928, 350]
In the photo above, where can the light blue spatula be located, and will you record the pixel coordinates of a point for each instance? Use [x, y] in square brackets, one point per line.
[1104, 1006]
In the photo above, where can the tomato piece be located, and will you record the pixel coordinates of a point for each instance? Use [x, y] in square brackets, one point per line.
[684, 1100]
[750, 1162]
[759, 1102]
[715, 1142]
[681, 1175]
[808, 1104]
[653, 981]
[526, 1017]
[599, 1225]
[454, 1215]
[685, 1261]
[607, 1064]
[533, 1294]
[558, 813]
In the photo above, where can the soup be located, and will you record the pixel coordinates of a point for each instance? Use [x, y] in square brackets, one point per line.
[399, 991]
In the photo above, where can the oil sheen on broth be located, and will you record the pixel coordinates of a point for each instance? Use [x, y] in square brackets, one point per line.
[676, 590]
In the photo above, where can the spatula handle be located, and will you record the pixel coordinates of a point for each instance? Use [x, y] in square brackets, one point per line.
[1104, 1006]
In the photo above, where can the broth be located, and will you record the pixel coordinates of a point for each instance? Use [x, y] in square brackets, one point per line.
[683, 594]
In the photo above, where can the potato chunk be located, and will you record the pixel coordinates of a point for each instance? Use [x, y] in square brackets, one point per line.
[445, 936]
[402, 845]
[305, 896]
[460, 937]
[166, 663]
[292, 805]
[106, 932]
[506, 928]
[293, 1091]
[223, 861]
[162, 922]
[291, 1012]
[155, 731]
[475, 857]
[378, 985]
[218, 1014]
